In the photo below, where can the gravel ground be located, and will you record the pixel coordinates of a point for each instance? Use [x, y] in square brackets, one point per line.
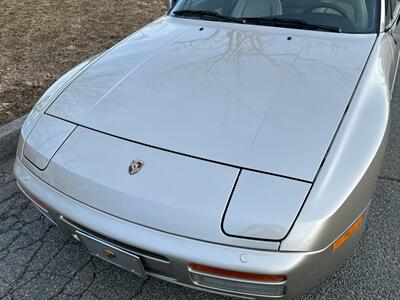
[38, 262]
[41, 39]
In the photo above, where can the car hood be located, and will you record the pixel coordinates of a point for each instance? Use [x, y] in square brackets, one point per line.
[259, 98]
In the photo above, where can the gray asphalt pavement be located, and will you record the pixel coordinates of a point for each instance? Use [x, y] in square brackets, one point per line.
[38, 262]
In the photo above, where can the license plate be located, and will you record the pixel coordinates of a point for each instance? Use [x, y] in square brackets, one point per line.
[112, 254]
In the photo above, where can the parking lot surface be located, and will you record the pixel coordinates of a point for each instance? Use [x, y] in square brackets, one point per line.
[38, 262]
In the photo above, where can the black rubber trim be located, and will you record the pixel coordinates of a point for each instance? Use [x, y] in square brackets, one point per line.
[182, 154]
[253, 238]
[248, 169]
[334, 136]
[319, 169]
[52, 156]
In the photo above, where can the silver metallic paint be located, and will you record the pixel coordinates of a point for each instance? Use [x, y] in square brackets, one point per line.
[169, 3]
[51, 94]
[194, 192]
[170, 185]
[264, 206]
[347, 179]
[182, 251]
[43, 142]
[247, 95]
[340, 193]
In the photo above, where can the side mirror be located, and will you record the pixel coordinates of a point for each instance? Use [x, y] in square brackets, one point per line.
[169, 3]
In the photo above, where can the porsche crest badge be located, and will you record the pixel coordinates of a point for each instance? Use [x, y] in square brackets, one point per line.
[135, 167]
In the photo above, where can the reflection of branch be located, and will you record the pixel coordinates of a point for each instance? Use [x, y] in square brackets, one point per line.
[150, 30]
[236, 49]
[226, 61]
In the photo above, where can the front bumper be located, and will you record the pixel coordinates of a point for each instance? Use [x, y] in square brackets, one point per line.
[167, 256]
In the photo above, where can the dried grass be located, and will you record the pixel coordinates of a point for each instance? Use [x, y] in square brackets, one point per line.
[41, 39]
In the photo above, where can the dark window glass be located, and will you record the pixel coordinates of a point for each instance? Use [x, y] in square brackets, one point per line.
[352, 16]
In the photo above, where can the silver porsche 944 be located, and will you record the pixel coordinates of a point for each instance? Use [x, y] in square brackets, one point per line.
[230, 146]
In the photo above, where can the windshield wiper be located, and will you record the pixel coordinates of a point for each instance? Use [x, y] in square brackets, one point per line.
[258, 21]
[290, 22]
[206, 13]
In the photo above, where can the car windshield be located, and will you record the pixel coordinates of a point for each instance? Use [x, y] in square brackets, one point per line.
[350, 16]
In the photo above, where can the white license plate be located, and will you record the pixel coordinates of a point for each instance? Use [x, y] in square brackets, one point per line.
[112, 254]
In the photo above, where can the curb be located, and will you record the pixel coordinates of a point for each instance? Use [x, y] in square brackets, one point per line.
[9, 137]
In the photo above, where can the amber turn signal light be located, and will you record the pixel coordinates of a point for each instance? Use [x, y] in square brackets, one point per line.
[339, 243]
[236, 275]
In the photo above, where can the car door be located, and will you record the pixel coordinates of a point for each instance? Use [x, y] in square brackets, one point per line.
[393, 30]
